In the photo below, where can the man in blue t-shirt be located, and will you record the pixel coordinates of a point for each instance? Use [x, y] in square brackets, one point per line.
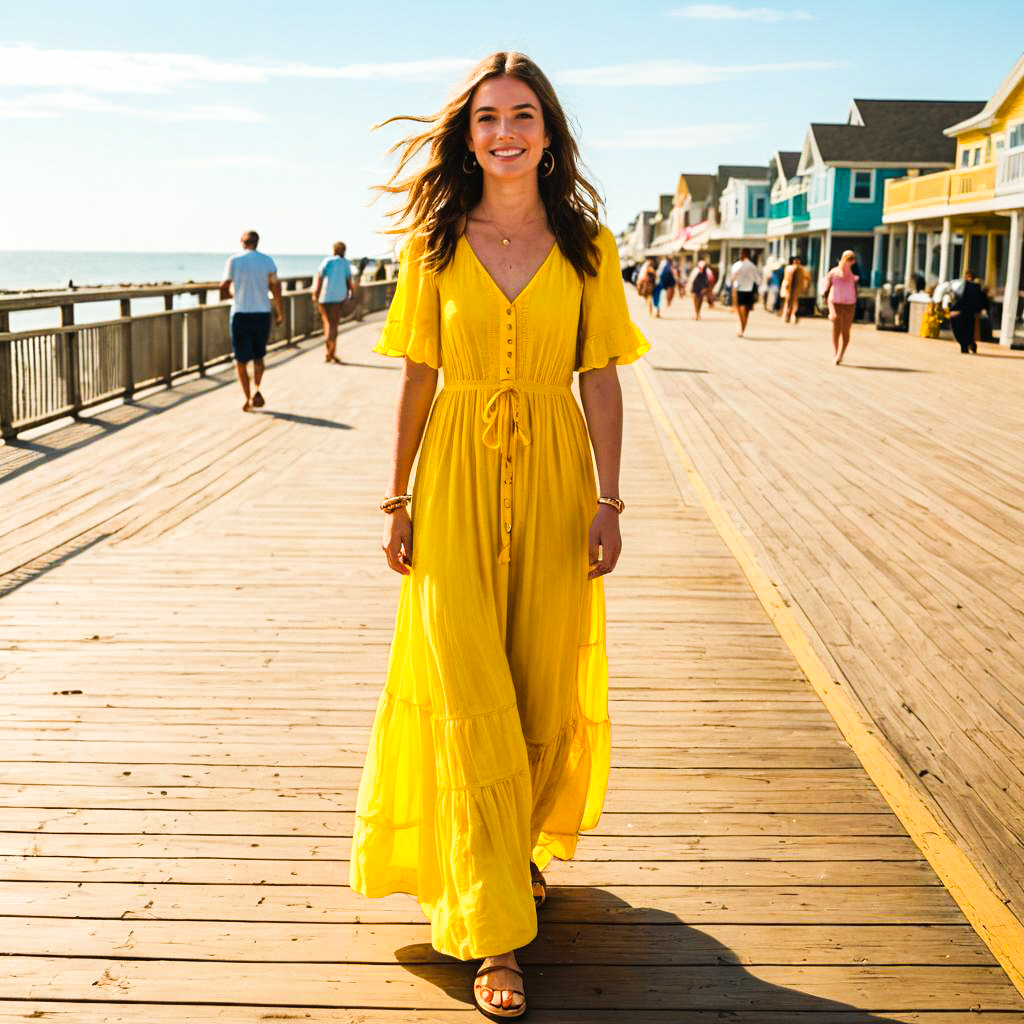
[250, 279]
[334, 289]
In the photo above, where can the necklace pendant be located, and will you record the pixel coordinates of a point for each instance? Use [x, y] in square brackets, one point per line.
[506, 241]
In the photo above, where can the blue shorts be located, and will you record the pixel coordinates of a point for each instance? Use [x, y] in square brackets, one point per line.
[250, 333]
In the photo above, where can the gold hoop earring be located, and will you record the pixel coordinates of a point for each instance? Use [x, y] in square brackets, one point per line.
[551, 167]
[473, 164]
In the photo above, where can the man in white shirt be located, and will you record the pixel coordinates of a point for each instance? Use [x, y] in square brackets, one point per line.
[745, 279]
[250, 278]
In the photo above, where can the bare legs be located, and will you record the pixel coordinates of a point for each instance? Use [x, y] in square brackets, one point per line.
[251, 399]
[243, 379]
[842, 321]
[742, 311]
[698, 301]
[330, 313]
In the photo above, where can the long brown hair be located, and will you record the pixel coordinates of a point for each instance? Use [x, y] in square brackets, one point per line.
[440, 196]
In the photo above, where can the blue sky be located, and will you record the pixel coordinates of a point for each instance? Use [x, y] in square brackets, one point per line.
[171, 127]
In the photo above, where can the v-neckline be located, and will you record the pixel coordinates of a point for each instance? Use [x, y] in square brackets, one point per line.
[490, 277]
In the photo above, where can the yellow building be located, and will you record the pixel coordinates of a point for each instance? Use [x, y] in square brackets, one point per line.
[970, 217]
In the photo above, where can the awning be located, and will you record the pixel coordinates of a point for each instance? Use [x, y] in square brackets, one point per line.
[698, 237]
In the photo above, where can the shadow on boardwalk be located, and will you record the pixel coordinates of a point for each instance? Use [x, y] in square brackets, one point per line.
[653, 962]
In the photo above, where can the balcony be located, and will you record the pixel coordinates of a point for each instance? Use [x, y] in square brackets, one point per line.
[1010, 175]
[945, 188]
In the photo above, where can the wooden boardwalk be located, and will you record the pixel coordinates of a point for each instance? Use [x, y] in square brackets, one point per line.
[194, 632]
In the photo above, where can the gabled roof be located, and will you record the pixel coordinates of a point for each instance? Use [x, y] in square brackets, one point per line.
[894, 132]
[990, 111]
[745, 172]
[700, 186]
[787, 159]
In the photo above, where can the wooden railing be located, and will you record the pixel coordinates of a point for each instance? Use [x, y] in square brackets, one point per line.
[963, 185]
[1010, 177]
[51, 372]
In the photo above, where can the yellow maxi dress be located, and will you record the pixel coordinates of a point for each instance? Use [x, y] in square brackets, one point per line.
[491, 744]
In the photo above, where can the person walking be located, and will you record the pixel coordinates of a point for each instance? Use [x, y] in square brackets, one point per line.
[699, 285]
[490, 748]
[841, 294]
[646, 283]
[667, 281]
[744, 278]
[333, 288]
[250, 279]
[967, 304]
[794, 284]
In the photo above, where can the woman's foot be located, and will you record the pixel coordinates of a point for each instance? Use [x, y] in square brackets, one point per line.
[258, 401]
[498, 988]
[540, 885]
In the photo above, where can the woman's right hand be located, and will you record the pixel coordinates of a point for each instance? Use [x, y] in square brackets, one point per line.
[397, 543]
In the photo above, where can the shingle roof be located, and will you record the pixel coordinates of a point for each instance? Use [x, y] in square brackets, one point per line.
[789, 159]
[700, 185]
[895, 131]
[756, 172]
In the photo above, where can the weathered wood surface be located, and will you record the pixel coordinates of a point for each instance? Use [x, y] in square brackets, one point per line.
[886, 499]
[194, 634]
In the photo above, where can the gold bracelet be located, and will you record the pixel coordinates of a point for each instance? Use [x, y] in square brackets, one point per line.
[395, 503]
[616, 503]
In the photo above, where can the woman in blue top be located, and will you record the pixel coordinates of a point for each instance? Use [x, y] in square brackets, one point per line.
[332, 289]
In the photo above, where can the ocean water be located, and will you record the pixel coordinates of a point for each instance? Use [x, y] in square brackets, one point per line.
[30, 270]
[20, 271]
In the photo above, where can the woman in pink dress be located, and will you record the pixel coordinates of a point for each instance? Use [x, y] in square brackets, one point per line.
[841, 291]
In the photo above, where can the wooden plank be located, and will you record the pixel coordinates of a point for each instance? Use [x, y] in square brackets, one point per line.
[612, 904]
[641, 944]
[599, 987]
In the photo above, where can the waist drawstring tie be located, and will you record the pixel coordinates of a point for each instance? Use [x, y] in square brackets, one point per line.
[503, 426]
[506, 416]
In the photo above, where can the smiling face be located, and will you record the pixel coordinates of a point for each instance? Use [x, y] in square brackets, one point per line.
[506, 128]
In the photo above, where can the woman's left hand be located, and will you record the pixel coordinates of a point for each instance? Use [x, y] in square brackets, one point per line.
[605, 542]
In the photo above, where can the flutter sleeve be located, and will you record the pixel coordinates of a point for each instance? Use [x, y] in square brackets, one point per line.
[606, 331]
[413, 326]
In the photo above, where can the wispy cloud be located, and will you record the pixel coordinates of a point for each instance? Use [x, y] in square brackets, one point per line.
[682, 72]
[67, 102]
[132, 73]
[726, 12]
[692, 136]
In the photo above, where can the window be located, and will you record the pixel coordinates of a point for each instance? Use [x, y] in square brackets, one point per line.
[862, 187]
[1017, 135]
[977, 156]
[759, 206]
[965, 158]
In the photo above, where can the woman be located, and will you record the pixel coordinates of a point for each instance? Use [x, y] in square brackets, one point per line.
[646, 285]
[491, 744]
[699, 285]
[332, 288]
[841, 292]
[666, 282]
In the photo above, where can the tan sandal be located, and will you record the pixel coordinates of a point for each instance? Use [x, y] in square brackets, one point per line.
[498, 1013]
[540, 886]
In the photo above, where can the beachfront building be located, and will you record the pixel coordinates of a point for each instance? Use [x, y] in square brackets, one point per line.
[688, 216]
[970, 216]
[636, 239]
[743, 197]
[832, 199]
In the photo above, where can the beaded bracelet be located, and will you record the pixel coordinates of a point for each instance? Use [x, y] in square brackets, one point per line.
[395, 503]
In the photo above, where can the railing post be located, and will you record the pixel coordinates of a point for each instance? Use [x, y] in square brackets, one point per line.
[201, 334]
[6, 379]
[289, 314]
[127, 350]
[70, 342]
[168, 307]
